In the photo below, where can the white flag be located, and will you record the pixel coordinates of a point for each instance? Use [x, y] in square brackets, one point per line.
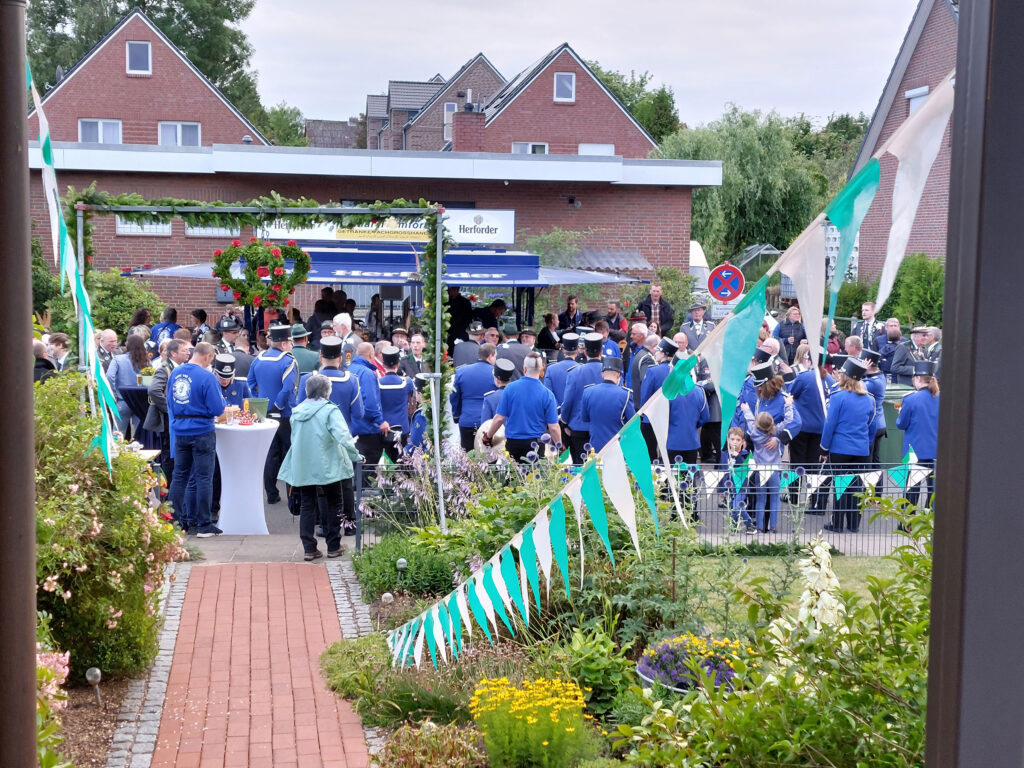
[417, 649]
[619, 489]
[804, 264]
[438, 631]
[916, 144]
[485, 599]
[712, 477]
[574, 491]
[542, 540]
[463, 603]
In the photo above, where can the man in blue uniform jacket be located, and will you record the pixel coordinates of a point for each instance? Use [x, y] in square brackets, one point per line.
[572, 404]
[345, 392]
[607, 406]
[369, 430]
[503, 371]
[556, 374]
[194, 400]
[656, 374]
[235, 392]
[274, 375]
[395, 392]
[472, 382]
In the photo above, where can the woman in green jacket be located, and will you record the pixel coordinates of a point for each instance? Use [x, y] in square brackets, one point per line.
[321, 456]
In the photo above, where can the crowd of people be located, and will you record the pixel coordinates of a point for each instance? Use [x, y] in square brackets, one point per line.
[344, 394]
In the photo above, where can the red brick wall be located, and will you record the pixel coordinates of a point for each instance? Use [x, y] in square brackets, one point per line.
[933, 59]
[653, 220]
[594, 118]
[102, 89]
[427, 133]
[372, 128]
[468, 132]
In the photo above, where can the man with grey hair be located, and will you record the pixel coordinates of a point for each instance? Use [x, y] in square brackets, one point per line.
[528, 410]
[349, 341]
[641, 362]
[106, 346]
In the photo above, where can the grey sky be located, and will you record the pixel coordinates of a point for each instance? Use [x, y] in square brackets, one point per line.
[818, 57]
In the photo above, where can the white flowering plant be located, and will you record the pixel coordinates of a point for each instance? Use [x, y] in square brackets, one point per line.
[101, 548]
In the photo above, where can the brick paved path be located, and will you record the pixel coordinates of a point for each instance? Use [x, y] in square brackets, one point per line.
[244, 688]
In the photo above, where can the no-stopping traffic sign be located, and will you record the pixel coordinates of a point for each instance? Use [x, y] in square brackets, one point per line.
[725, 282]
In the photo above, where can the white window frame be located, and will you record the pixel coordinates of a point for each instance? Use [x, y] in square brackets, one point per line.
[449, 118]
[100, 122]
[529, 147]
[564, 100]
[153, 229]
[601, 150]
[916, 97]
[127, 57]
[191, 231]
[178, 125]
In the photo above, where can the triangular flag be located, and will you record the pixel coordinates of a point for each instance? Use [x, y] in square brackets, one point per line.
[428, 631]
[463, 603]
[899, 475]
[764, 476]
[490, 579]
[712, 477]
[575, 494]
[481, 606]
[542, 541]
[559, 540]
[871, 478]
[846, 212]
[528, 561]
[435, 617]
[455, 618]
[510, 576]
[634, 448]
[730, 345]
[814, 481]
[679, 381]
[566, 457]
[740, 472]
[417, 648]
[409, 649]
[916, 144]
[787, 478]
[523, 590]
[917, 476]
[444, 620]
[619, 489]
[842, 483]
[594, 499]
[657, 410]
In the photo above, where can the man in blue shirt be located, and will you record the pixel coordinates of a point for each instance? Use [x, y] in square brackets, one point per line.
[607, 406]
[235, 392]
[528, 411]
[395, 392]
[274, 375]
[165, 330]
[608, 347]
[572, 411]
[472, 382]
[194, 400]
[369, 430]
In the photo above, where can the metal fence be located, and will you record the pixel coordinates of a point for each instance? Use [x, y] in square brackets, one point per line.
[808, 500]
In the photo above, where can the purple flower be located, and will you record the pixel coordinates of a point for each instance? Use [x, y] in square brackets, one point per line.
[531, 456]
[545, 438]
[801, 471]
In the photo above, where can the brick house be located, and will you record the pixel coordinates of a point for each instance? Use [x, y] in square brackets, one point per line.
[405, 99]
[136, 87]
[928, 54]
[623, 203]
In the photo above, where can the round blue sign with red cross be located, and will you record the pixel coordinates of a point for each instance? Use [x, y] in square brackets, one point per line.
[725, 282]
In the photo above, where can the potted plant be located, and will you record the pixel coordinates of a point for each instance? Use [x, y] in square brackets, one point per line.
[677, 661]
[146, 376]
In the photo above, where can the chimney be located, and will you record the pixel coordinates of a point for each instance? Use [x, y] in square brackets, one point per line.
[468, 131]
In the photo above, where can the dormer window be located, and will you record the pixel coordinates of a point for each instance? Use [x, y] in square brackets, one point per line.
[139, 57]
[565, 86]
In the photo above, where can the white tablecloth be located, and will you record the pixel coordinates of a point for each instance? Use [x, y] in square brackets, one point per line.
[242, 452]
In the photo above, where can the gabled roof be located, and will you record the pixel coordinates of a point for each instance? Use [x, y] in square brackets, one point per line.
[436, 78]
[137, 13]
[410, 94]
[377, 105]
[899, 69]
[452, 80]
[520, 82]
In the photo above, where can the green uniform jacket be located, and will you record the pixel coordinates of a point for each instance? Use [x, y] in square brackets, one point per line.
[322, 449]
[307, 359]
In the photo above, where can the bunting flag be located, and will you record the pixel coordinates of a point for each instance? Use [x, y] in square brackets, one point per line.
[846, 212]
[787, 478]
[593, 497]
[528, 559]
[634, 449]
[918, 475]
[731, 344]
[67, 265]
[712, 478]
[842, 483]
[542, 541]
[916, 145]
[498, 595]
[620, 490]
[558, 540]
[510, 577]
[871, 478]
[480, 604]
[575, 494]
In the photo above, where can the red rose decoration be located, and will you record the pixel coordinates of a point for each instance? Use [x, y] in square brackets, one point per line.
[254, 239]
[268, 244]
[213, 272]
[275, 252]
[291, 291]
[224, 286]
[272, 297]
[237, 295]
[276, 287]
[257, 300]
[285, 303]
[236, 243]
[374, 222]
[278, 271]
[292, 243]
[262, 272]
[218, 252]
[440, 209]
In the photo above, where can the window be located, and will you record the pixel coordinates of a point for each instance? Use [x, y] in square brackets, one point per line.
[99, 131]
[450, 108]
[596, 149]
[131, 228]
[529, 148]
[191, 231]
[179, 134]
[139, 57]
[916, 97]
[565, 86]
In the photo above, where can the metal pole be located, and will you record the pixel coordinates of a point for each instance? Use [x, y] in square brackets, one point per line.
[80, 247]
[17, 484]
[435, 380]
[435, 413]
[438, 297]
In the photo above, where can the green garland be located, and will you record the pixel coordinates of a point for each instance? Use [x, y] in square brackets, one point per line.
[430, 308]
[266, 282]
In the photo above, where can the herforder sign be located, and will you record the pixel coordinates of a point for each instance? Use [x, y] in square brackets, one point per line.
[481, 227]
[465, 226]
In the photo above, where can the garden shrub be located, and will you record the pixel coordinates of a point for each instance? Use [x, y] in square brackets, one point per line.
[114, 301]
[598, 666]
[428, 572]
[429, 745]
[100, 548]
[51, 700]
[918, 291]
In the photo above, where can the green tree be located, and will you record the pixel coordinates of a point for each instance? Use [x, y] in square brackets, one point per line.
[832, 149]
[60, 32]
[655, 110]
[45, 284]
[918, 291]
[114, 299]
[284, 126]
[769, 190]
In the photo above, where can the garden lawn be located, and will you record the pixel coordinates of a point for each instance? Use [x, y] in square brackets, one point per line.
[852, 572]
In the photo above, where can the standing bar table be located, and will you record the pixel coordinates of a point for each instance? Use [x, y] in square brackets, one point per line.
[242, 451]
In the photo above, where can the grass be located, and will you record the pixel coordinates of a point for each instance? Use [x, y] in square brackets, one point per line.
[852, 572]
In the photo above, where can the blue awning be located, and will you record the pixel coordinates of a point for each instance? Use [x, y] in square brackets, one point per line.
[400, 264]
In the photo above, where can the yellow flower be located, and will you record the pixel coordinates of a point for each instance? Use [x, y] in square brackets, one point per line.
[543, 743]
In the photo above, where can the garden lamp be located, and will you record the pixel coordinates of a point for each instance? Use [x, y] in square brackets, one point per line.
[93, 677]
